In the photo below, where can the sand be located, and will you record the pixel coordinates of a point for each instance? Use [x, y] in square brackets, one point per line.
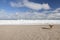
[30, 32]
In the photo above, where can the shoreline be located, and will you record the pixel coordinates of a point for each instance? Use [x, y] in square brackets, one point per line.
[29, 22]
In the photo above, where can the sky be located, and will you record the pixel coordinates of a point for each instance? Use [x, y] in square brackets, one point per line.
[30, 9]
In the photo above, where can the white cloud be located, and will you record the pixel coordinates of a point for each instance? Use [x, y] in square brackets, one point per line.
[30, 5]
[34, 6]
[5, 15]
[45, 6]
[39, 15]
[30, 15]
[2, 14]
[57, 10]
[19, 4]
[21, 15]
[54, 14]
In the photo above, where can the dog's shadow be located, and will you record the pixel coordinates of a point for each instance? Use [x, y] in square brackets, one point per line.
[45, 28]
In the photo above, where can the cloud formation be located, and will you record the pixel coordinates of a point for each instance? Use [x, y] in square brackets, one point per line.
[21, 15]
[30, 5]
[30, 15]
[5, 16]
[53, 15]
[14, 4]
[33, 12]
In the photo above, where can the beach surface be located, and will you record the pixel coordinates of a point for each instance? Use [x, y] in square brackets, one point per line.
[29, 32]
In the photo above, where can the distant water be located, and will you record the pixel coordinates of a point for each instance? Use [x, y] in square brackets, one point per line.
[28, 22]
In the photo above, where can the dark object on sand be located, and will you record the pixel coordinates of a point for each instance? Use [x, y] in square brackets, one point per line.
[50, 26]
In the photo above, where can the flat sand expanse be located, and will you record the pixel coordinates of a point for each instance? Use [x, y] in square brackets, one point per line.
[30, 32]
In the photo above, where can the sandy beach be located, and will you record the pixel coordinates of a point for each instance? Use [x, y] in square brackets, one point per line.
[29, 32]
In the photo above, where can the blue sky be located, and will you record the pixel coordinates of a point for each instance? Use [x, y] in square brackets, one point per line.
[30, 9]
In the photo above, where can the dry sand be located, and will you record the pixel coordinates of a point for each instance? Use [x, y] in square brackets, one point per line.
[19, 32]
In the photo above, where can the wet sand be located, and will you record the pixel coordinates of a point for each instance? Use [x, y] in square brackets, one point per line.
[30, 32]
